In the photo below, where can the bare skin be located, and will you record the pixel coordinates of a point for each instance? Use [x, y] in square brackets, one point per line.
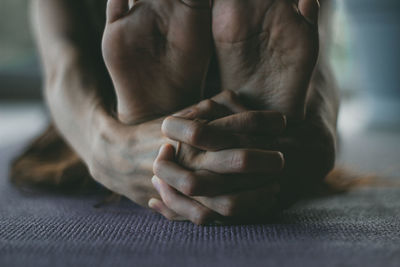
[76, 90]
[309, 156]
[157, 53]
[196, 158]
[287, 48]
[267, 51]
[118, 156]
[229, 170]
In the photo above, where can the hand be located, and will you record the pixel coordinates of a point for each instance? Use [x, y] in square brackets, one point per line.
[245, 206]
[228, 180]
[310, 150]
[309, 146]
[122, 156]
[232, 144]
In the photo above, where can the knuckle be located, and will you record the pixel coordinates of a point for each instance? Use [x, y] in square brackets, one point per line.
[166, 125]
[187, 156]
[189, 185]
[200, 216]
[228, 207]
[240, 161]
[167, 199]
[253, 118]
[207, 104]
[230, 95]
[195, 133]
[157, 167]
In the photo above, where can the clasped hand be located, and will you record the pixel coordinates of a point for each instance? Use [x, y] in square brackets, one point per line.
[228, 158]
[226, 167]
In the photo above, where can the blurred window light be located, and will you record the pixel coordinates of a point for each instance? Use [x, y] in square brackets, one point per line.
[366, 61]
[19, 68]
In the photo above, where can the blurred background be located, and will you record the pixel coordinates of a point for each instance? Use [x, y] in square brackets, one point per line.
[22, 114]
[366, 58]
[364, 53]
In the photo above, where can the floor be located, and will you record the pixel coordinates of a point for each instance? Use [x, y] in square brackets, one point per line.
[20, 121]
[358, 229]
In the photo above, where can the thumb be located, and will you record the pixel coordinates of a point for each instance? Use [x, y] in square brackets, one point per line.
[310, 10]
[116, 9]
[166, 152]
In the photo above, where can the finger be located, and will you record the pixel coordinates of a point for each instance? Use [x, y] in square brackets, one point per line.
[116, 9]
[182, 205]
[203, 182]
[244, 130]
[253, 122]
[235, 161]
[221, 105]
[249, 204]
[205, 110]
[230, 100]
[310, 10]
[159, 206]
[167, 152]
[198, 134]
[174, 201]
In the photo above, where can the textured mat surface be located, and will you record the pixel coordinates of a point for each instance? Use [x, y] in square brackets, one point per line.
[360, 228]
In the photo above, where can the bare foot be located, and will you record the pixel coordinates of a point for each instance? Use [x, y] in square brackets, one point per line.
[267, 51]
[157, 53]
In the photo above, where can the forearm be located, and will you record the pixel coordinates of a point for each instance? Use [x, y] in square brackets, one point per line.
[74, 101]
[311, 151]
[323, 102]
[75, 79]
[323, 97]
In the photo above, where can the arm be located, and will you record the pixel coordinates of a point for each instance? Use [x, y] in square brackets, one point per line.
[76, 82]
[308, 146]
[118, 156]
[309, 150]
[80, 98]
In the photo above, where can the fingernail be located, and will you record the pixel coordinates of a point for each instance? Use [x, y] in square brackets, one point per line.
[156, 183]
[154, 204]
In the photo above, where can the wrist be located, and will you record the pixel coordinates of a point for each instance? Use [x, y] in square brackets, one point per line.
[75, 105]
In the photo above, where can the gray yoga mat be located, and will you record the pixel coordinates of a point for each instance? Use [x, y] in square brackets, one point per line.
[359, 228]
